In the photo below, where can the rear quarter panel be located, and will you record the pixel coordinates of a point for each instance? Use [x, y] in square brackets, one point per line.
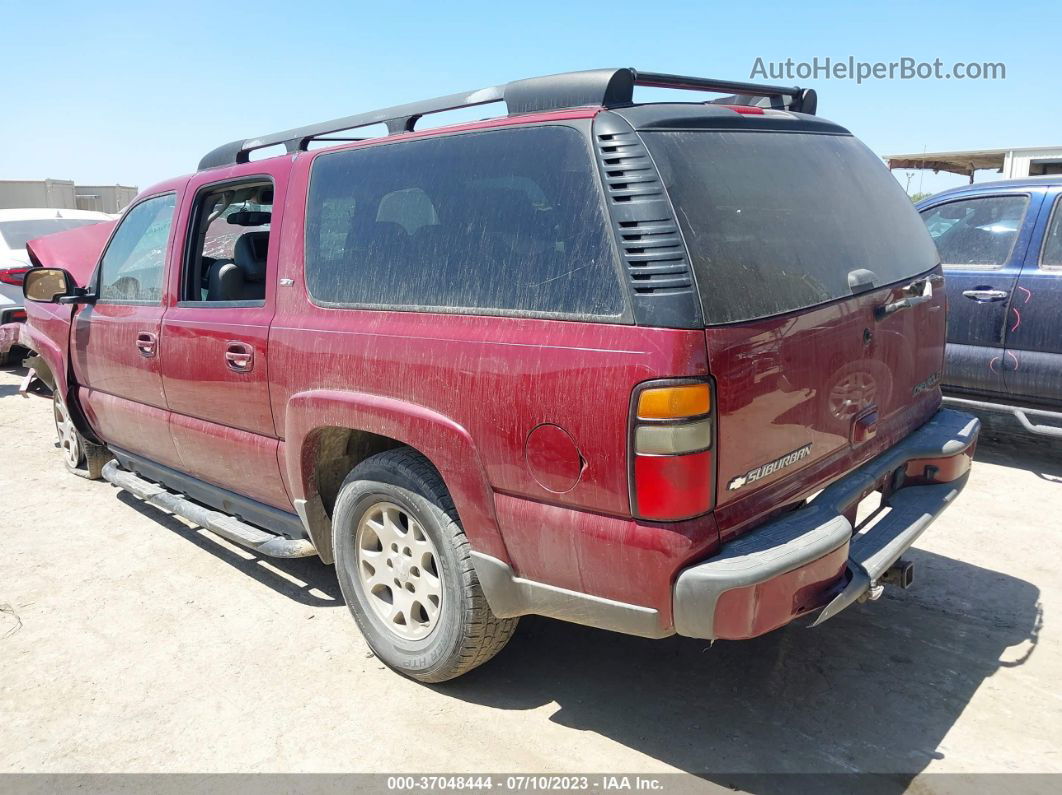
[466, 391]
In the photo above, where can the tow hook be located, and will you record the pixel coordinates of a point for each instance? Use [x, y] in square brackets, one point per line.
[900, 573]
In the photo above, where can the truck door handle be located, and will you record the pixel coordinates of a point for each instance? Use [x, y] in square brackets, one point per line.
[985, 295]
[147, 343]
[239, 357]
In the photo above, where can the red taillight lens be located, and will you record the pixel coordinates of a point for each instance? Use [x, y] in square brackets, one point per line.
[17, 316]
[13, 276]
[672, 486]
[671, 441]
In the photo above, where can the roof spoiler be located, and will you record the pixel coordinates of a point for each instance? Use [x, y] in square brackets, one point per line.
[607, 88]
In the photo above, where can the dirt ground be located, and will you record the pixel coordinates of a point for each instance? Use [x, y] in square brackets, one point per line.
[130, 642]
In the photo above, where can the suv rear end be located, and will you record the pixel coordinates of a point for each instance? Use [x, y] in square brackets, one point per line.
[824, 320]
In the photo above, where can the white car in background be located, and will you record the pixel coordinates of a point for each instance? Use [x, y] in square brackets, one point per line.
[16, 228]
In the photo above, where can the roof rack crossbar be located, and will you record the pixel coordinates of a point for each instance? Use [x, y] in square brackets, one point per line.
[603, 87]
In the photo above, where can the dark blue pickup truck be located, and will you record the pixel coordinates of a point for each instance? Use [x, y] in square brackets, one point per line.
[1001, 245]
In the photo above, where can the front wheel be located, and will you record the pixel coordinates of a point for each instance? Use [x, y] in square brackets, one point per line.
[405, 569]
[81, 457]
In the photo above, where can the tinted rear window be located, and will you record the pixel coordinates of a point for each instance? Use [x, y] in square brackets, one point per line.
[775, 221]
[495, 221]
[17, 233]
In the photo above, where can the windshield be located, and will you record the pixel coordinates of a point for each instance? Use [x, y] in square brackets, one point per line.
[775, 221]
[17, 233]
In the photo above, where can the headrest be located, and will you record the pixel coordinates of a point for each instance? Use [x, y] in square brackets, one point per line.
[250, 254]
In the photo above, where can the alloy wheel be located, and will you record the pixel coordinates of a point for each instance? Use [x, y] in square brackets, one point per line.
[398, 571]
[68, 437]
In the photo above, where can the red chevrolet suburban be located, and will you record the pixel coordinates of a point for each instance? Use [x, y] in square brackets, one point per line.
[632, 365]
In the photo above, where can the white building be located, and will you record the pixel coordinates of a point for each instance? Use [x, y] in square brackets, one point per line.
[1009, 163]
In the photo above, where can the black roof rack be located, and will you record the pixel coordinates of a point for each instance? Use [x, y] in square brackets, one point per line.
[605, 87]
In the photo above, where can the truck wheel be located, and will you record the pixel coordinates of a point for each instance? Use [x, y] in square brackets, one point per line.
[80, 456]
[405, 569]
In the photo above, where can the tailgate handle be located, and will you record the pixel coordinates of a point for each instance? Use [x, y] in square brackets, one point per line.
[239, 357]
[910, 300]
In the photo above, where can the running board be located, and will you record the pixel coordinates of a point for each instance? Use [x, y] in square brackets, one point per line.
[1021, 414]
[228, 527]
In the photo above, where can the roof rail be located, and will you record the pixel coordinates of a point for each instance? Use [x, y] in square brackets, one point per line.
[604, 87]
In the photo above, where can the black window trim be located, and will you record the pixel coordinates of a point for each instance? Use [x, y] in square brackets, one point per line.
[584, 128]
[992, 195]
[97, 276]
[192, 231]
[1055, 215]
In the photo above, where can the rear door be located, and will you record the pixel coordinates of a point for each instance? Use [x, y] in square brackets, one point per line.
[1033, 369]
[800, 244]
[115, 341]
[214, 341]
[982, 241]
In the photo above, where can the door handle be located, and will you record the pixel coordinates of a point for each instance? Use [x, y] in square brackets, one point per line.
[147, 343]
[239, 357]
[985, 295]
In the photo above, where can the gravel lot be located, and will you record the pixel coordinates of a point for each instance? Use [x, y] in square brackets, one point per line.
[132, 643]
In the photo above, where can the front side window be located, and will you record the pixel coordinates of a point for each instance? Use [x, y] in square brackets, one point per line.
[502, 220]
[134, 264]
[976, 232]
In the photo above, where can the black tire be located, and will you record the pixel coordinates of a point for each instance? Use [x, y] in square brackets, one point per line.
[464, 633]
[12, 357]
[80, 456]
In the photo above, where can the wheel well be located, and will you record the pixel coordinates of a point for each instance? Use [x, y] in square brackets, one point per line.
[336, 452]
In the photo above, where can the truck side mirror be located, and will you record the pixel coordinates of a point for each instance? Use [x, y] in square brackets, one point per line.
[50, 286]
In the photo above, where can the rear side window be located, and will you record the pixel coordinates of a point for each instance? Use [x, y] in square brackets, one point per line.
[507, 220]
[978, 232]
[1051, 257]
[775, 221]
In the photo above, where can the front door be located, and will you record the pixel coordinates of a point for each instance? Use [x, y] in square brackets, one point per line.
[214, 341]
[982, 241]
[115, 341]
[1034, 331]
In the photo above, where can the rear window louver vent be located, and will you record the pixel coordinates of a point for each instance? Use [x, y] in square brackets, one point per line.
[654, 255]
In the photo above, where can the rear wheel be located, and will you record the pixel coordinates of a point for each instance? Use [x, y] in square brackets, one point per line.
[405, 569]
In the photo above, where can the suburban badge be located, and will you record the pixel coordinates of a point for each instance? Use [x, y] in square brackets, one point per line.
[764, 470]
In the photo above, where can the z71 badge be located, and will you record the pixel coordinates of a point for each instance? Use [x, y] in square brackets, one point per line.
[764, 470]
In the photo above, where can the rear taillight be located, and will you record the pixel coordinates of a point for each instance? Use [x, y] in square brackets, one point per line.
[13, 276]
[17, 316]
[672, 433]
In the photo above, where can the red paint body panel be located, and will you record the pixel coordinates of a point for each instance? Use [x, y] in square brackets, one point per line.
[76, 250]
[804, 378]
[754, 610]
[132, 426]
[105, 355]
[234, 459]
[613, 557]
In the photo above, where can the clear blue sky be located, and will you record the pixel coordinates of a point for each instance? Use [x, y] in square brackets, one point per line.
[106, 92]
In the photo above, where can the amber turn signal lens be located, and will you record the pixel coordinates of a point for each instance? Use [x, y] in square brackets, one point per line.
[674, 402]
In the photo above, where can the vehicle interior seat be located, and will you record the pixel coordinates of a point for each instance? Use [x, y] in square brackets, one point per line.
[243, 278]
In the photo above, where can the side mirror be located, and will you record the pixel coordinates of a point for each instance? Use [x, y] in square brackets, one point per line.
[51, 286]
